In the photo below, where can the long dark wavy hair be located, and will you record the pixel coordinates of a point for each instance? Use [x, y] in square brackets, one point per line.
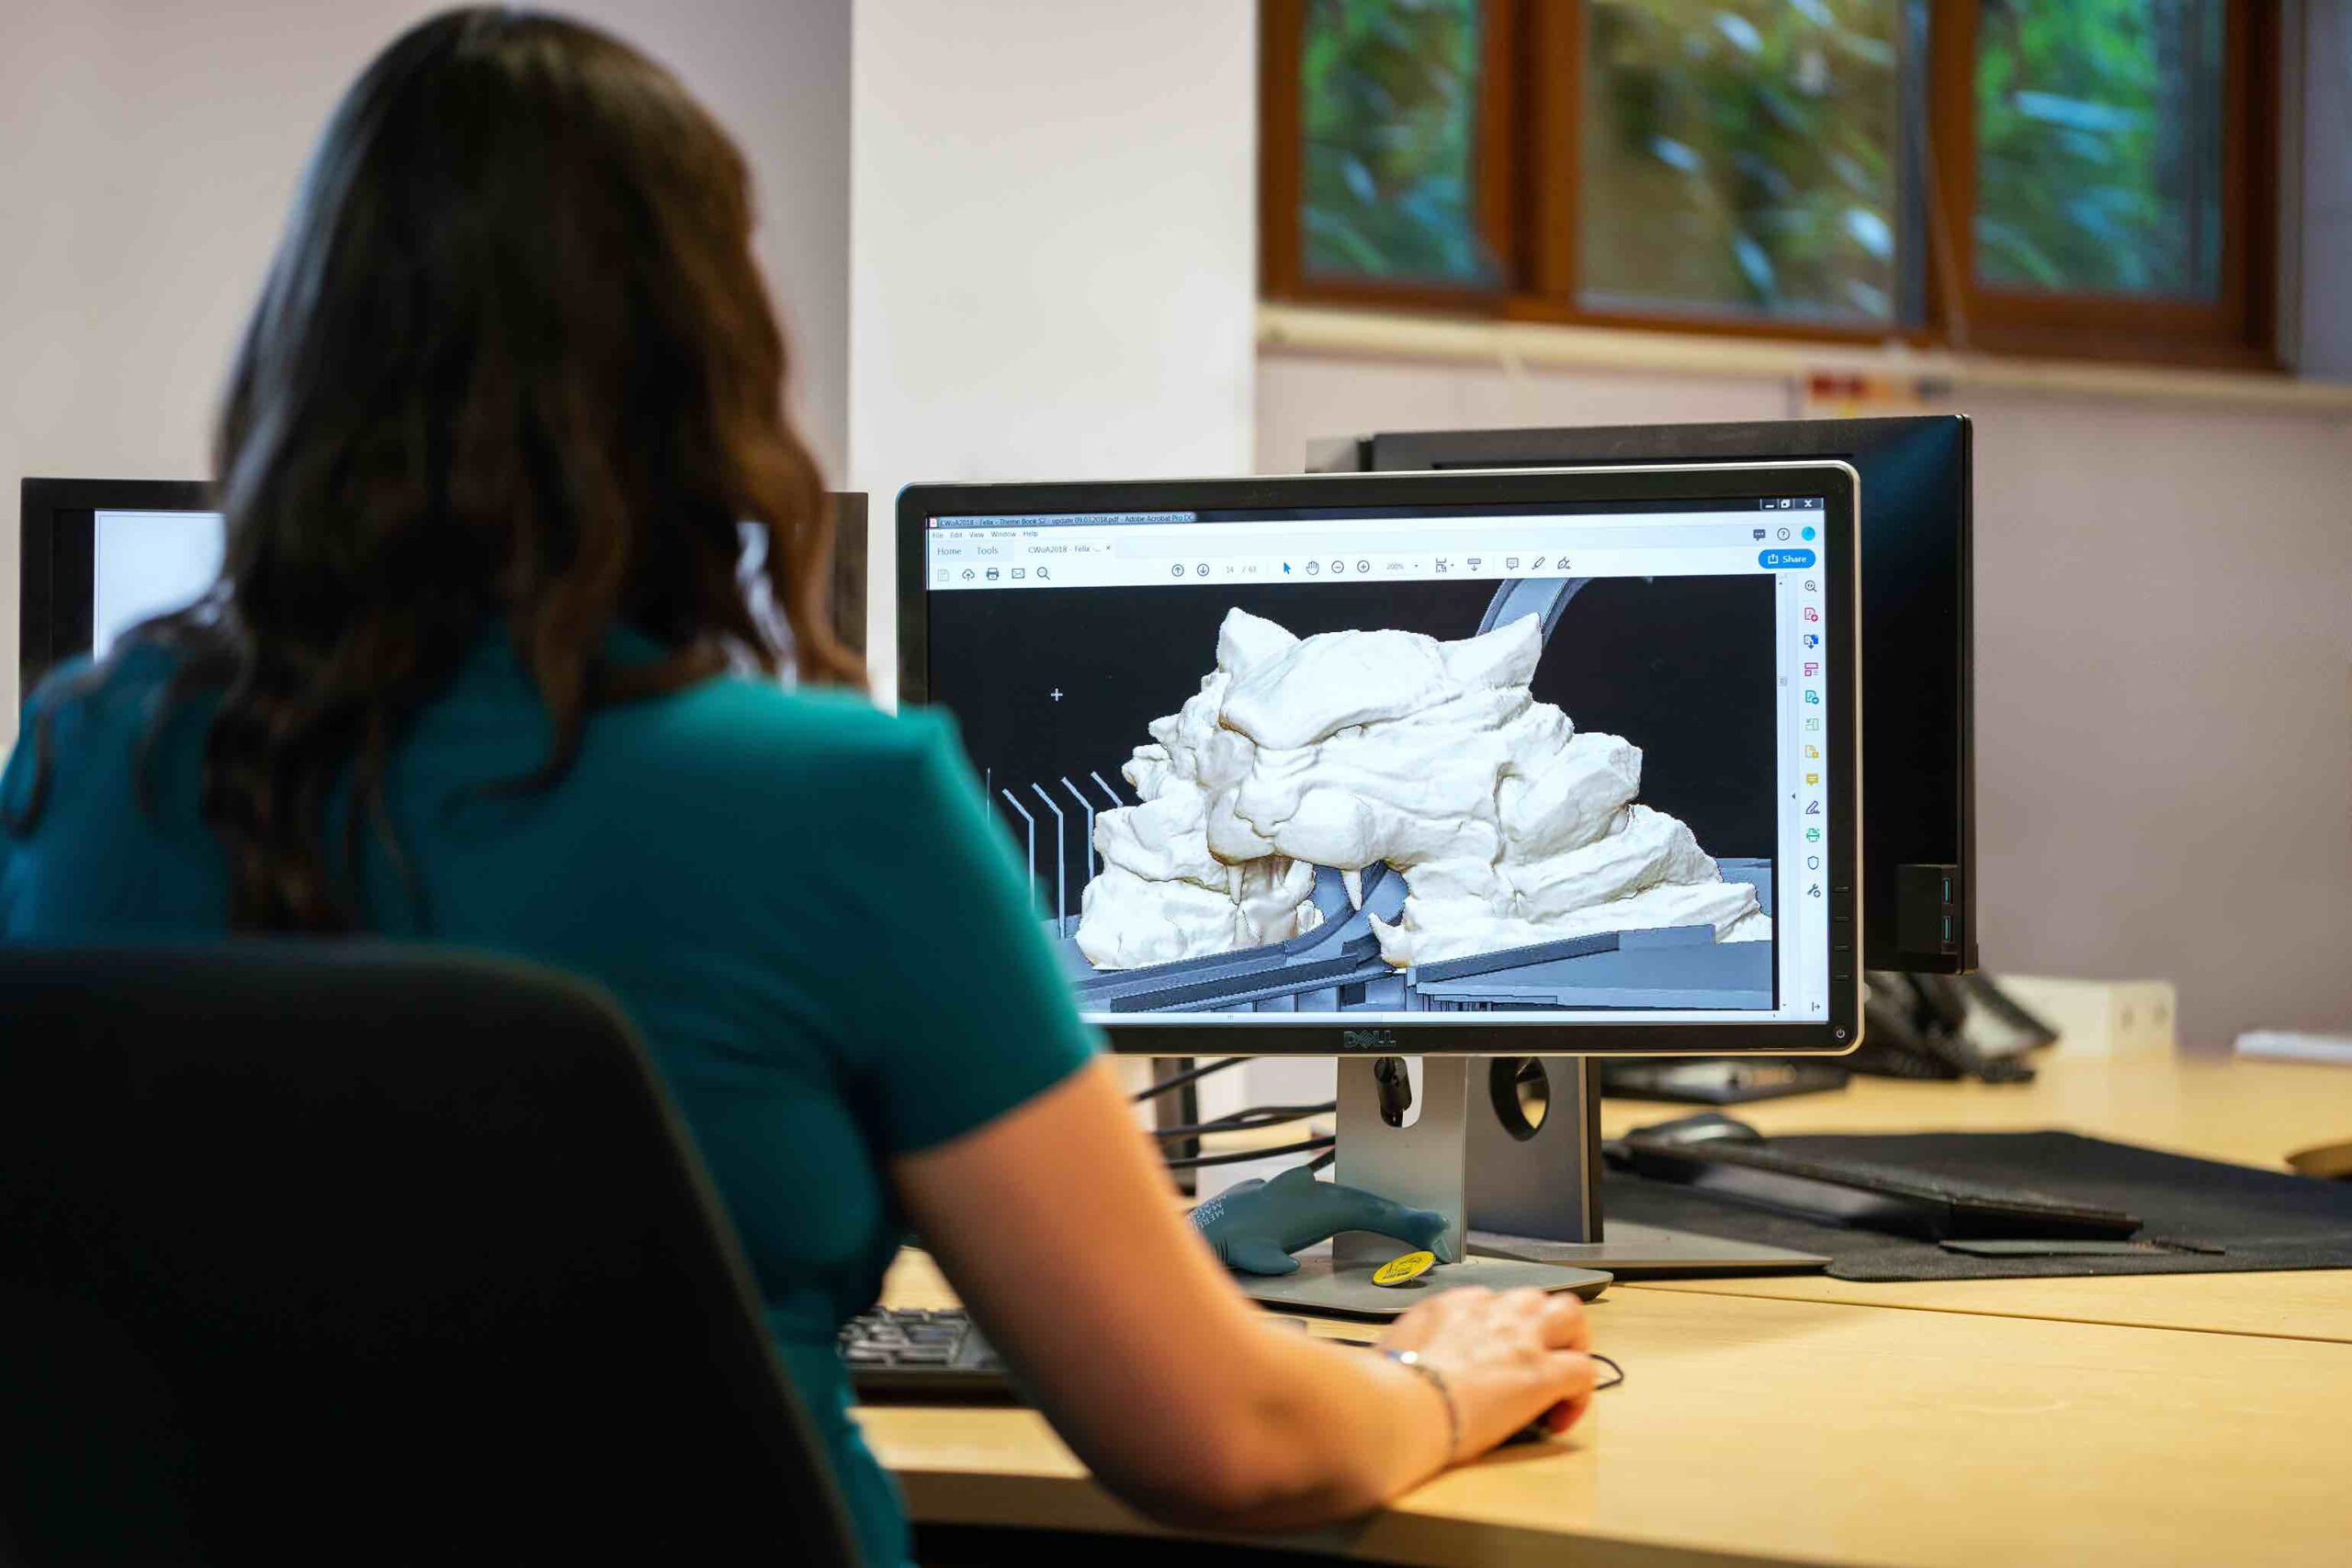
[512, 365]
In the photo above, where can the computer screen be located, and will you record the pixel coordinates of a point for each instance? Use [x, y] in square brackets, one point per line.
[1411, 756]
[145, 564]
[101, 555]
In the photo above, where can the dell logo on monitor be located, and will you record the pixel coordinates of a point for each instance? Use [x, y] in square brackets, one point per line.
[1367, 1040]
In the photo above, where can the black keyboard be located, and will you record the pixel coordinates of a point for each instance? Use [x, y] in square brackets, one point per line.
[902, 1352]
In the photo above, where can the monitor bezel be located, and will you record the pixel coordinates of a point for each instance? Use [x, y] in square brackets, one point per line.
[57, 583]
[1162, 1034]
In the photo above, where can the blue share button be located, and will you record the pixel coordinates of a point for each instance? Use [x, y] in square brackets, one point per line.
[1775, 559]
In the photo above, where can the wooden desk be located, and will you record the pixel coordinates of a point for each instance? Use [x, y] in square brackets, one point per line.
[2248, 1113]
[1756, 1430]
[2171, 1418]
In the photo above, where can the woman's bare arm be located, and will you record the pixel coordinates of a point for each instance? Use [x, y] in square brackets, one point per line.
[1061, 1234]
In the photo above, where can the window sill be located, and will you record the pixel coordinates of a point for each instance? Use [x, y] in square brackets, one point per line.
[1393, 334]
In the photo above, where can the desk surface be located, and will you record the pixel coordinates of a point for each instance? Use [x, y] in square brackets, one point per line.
[2159, 1419]
[1750, 1430]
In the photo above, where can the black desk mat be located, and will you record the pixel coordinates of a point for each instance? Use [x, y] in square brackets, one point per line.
[2246, 1220]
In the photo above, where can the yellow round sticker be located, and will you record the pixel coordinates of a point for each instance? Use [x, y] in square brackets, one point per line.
[1398, 1271]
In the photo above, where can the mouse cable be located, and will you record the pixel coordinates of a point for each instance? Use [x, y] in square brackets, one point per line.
[1190, 1074]
[1249, 1120]
[1241, 1156]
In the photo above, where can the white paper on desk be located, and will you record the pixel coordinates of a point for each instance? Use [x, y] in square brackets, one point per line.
[2291, 1046]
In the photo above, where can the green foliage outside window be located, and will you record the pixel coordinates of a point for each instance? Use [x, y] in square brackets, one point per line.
[1389, 99]
[2098, 147]
[1739, 155]
[1744, 157]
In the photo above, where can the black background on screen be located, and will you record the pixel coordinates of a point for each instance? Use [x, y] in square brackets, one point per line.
[1680, 666]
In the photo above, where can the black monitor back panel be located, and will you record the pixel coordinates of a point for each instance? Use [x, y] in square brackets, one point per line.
[1918, 703]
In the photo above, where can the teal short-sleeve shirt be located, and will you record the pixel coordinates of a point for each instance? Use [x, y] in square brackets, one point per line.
[802, 903]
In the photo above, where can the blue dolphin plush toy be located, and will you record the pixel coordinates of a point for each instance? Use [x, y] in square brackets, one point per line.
[1254, 1226]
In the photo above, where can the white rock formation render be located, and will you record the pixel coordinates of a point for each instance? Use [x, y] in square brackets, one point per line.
[1348, 748]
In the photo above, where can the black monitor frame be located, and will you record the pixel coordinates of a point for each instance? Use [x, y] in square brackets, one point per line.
[1917, 633]
[57, 577]
[1163, 1035]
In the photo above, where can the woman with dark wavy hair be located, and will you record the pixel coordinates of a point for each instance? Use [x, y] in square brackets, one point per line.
[478, 669]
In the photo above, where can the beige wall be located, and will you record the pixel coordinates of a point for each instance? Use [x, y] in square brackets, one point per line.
[2164, 647]
[151, 148]
[1054, 251]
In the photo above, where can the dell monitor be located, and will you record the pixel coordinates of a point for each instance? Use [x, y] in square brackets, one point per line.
[100, 555]
[1480, 765]
[1918, 768]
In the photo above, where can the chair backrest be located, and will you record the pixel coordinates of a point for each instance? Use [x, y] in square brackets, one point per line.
[369, 1253]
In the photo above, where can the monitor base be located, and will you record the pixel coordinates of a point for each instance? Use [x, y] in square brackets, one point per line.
[1650, 1252]
[1514, 1155]
[1324, 1283]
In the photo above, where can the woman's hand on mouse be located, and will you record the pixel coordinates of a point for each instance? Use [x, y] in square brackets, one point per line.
[1505, 1359]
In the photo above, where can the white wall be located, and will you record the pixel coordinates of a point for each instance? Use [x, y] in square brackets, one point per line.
[151, 150]
[2164, 663]
[1053, 250]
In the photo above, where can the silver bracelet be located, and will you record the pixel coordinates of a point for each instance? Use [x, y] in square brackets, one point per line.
[1411, 1361]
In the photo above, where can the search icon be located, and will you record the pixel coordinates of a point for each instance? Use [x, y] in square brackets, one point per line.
[1043, 575]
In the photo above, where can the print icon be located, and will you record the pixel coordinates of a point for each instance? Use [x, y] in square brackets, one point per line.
[992, 574]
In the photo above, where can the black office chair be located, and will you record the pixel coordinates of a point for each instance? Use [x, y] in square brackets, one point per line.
[358, 1253]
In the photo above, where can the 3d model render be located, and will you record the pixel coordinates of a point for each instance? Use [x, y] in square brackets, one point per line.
[1379, 820]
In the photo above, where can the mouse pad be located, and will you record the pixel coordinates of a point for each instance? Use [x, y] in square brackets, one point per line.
[2200, 1217]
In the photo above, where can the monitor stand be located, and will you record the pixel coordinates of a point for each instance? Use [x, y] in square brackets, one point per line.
[1517, 1193]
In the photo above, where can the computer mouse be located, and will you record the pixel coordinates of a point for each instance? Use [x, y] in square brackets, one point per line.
[1706, 1127]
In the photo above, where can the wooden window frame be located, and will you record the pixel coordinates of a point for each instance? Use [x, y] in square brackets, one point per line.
[1525, 182]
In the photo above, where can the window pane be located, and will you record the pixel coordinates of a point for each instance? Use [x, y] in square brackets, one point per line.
[2099, 146]
[1389, 107]
[1740, 156]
